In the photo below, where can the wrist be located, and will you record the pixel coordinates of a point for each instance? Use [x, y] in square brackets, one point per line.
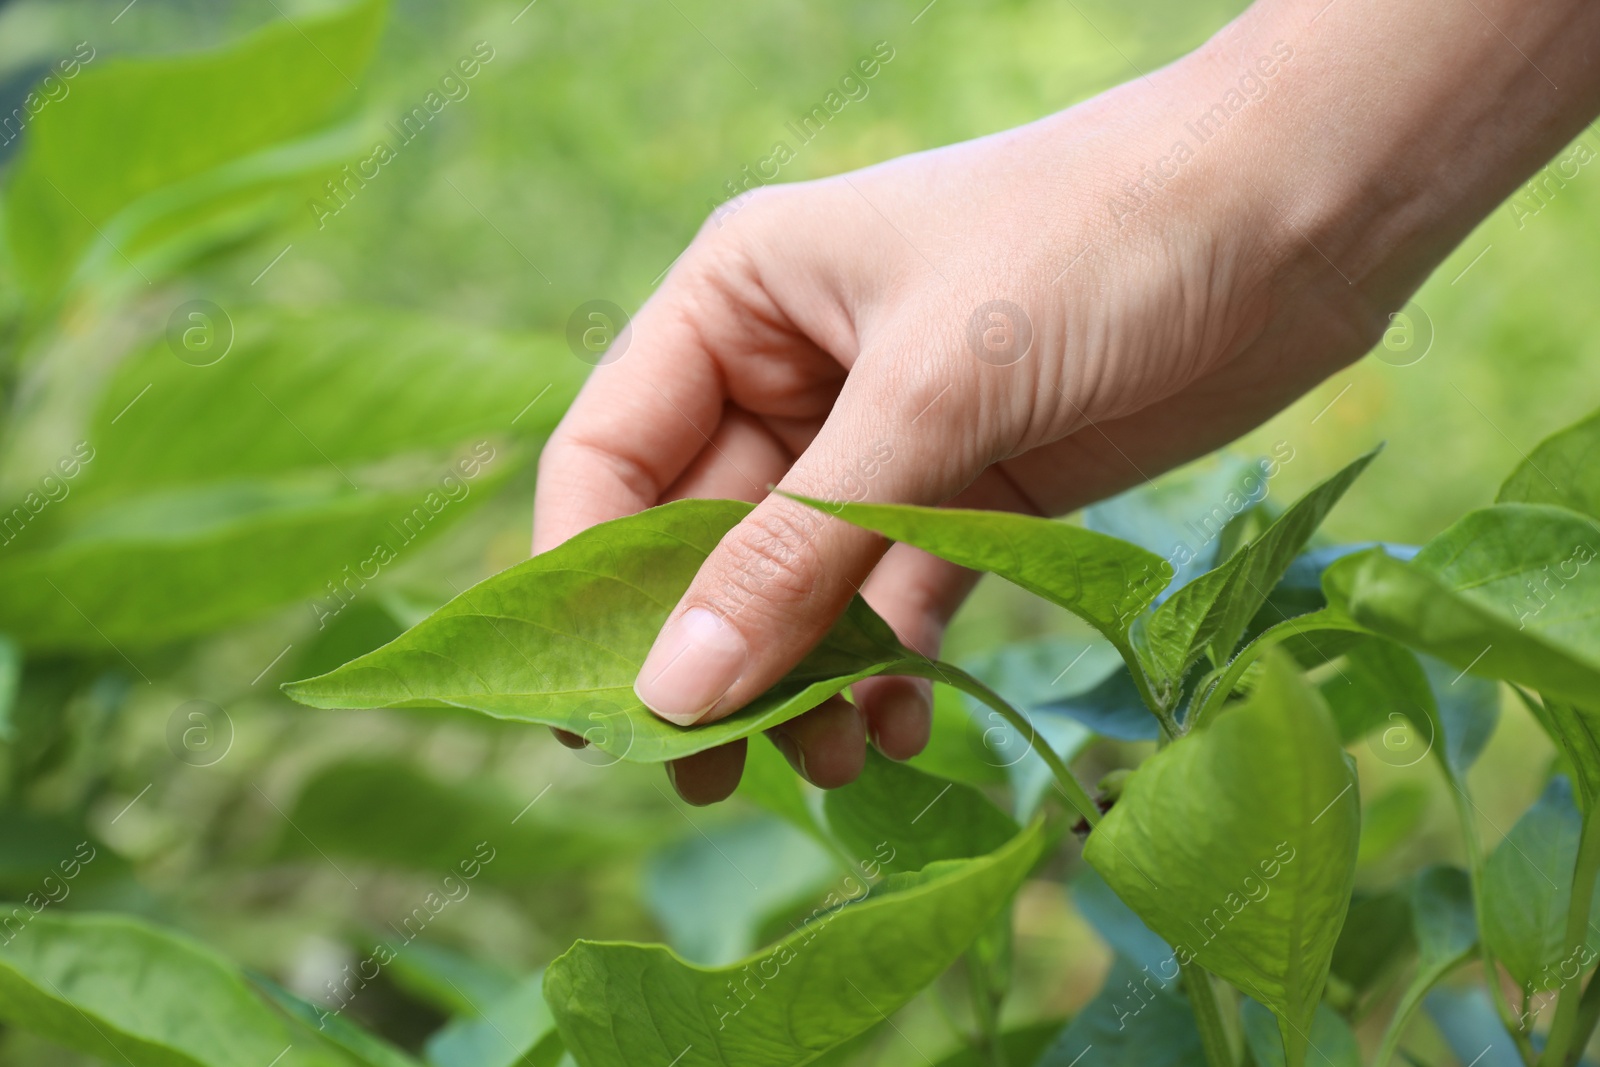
[1393, 129]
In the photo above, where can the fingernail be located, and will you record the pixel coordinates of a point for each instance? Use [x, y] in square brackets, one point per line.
[791, 752]
[691, 667]
[906, 713]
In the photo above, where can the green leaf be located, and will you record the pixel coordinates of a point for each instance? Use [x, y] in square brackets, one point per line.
[1237, 844]
[844, 970]
[389, 812]
[1022, 1045]
[1103, 581]
[901, 819]
[448, 979]
[364, 1048]
[560, 638]
[1377, 933]
[1113, 709]
[1501, 594]
[1561, 470]
[957, 746]
[1212, 612]
[713, 891]
[1472, 1029]
[10, 679]
[141, 128]
[515, 1030]
[1033, 675]
[769, 782]
[1421, 708]
[1505, 593]
[126, 992]
[1136, 1020]
[1329, 1037]
[1126, 934]
[1390, 820]
[1575, 737]
[1527, 884]
[1446, 934]
[1182, 516]
[306, 451]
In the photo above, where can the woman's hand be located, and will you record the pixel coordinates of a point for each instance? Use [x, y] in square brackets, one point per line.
[1029, 321]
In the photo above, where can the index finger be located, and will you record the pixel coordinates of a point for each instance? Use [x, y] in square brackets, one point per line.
[637, 423]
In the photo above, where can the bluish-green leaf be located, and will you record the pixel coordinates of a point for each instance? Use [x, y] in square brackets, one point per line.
[1138, 1019]
[713, 890]
[514, 1030]
[1527, 884]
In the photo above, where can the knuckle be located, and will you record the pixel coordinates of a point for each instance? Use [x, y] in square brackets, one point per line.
[771, 563]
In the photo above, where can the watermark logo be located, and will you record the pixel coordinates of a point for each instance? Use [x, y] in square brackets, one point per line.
[598, 333]
[1000, 333]
[199, 332]
[199, 733]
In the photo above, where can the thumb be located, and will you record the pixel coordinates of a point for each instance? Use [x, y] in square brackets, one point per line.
[778, 580]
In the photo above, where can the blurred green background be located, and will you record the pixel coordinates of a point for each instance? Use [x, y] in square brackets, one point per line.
[583, 157]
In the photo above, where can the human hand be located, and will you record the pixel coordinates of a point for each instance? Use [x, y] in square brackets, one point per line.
[1029, 321]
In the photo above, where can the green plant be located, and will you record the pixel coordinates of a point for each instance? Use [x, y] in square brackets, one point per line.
[1235, 842]
[176, 519]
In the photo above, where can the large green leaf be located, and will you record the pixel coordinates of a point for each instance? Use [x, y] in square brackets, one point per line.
[1237, 843]
[1212, 612]
[187, 136]
[713, 891]
[560, 638]
[129, 993]
[307, 452]
[352, 390]
[917, 818]
[1446, 933]
[848, 967]
[1527, 885]
[1506, 592]
[1564, 469]
[514, 1030]
[1104, 581]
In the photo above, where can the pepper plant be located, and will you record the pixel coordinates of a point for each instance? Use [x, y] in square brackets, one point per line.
[1218, 864]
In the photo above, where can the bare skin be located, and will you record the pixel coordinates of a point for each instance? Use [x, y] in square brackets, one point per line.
[831, 337]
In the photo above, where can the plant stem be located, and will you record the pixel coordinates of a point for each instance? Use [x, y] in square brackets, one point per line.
[1491, 970]
[986, 1010]
[1077, 796]
[1229, 679]
[1588, 1013]
[1208, 1020]
[1559, 1049]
